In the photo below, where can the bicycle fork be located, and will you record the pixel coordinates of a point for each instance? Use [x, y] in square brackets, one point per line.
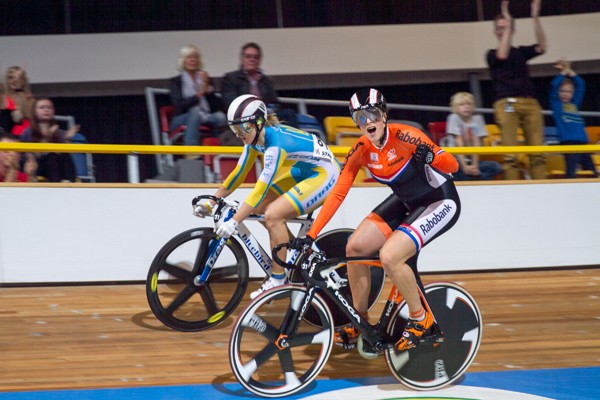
[214, 250]
[293, 317]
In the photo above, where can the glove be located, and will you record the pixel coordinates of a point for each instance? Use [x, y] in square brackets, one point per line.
[423, 154]
[300, 242]
[227, 228]
[203, 208]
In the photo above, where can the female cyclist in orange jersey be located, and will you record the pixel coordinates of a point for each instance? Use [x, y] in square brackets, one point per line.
[424, 205]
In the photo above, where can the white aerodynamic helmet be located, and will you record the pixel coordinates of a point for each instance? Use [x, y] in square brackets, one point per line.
[247, 108]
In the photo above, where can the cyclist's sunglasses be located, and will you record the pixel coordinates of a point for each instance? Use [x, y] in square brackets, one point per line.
[243, 129]
[373, 114]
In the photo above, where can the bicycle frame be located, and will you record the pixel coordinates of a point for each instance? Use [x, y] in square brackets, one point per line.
[321, 272]
[224, 212]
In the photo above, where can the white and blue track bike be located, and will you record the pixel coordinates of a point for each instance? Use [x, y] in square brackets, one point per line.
[197, 279]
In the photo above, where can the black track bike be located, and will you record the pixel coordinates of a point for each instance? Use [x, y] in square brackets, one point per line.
[275, 351]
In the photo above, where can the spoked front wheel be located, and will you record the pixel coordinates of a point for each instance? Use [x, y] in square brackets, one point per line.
[433, 365]
[259, 364]
[180, 302]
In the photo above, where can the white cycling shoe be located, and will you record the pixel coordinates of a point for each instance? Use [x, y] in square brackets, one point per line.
[267, 285]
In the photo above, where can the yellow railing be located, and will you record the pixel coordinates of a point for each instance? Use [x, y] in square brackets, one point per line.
[132, 151]
[337, 150]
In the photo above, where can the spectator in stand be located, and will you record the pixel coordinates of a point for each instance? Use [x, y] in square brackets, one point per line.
[52, 167]
[10, 162]
[7, 108]
[566, 96]
[19, 92]
[514, 104]
[193, 96]
[468, 129]
[250, 79]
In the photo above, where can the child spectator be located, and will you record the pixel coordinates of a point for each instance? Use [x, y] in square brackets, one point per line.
[566, 95]
[467, 129]
[10, 162]
[53, 167]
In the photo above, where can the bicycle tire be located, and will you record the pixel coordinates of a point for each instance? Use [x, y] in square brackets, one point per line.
[263, 368]
[431, 366]
[173, 296]
[333, 243]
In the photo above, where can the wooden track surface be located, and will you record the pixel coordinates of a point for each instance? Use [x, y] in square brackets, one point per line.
[105, 335]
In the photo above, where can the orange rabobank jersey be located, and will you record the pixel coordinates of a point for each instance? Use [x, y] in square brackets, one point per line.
[391, 164]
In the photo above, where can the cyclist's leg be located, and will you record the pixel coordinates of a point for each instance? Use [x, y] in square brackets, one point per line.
[282, 183]
[366, 240]
[273, 212]
[394, 255]
[277, 212]
[422, 225]
[276, 216]
[310, 189]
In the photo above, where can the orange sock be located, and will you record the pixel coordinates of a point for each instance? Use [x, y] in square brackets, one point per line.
[418, 315]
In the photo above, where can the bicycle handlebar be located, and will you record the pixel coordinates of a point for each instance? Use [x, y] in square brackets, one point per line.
[278, 260]
[305, 252]
[220, 202]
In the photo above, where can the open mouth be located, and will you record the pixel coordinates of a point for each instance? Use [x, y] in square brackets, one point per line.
[371, 130]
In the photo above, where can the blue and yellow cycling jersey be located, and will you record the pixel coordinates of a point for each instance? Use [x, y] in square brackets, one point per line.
[305, 154]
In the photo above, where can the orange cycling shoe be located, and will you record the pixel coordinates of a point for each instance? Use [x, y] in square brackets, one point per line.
[346, 336]
[413, 332]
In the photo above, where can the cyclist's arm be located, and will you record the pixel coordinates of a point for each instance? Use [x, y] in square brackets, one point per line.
[443, 160]
[237, 176]
[333, 201]
[274, 158]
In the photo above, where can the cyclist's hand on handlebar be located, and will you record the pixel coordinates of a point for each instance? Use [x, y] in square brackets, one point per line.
[203, 208]
[227, 228]
[300, 242]
[424, 154]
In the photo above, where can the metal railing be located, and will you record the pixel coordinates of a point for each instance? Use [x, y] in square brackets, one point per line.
[301, 106]
[132, 151]
[162, 152]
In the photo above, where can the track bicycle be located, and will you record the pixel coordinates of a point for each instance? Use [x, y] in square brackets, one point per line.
[275, 352]
[197, 279]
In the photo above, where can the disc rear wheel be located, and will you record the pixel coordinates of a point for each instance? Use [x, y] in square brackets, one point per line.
[433, 365]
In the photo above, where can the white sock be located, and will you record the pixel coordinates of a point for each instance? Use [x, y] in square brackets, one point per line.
[278, 277]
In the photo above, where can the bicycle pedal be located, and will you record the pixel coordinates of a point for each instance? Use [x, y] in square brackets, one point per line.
[346, 346]
[427, 339]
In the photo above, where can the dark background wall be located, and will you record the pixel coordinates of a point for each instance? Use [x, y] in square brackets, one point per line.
[43, 17]
[124, 119]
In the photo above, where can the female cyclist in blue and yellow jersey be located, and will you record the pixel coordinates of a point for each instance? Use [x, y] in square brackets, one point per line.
[299, 172]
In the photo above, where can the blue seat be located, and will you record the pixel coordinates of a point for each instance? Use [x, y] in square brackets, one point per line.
[310, 124]
[550, 135]
[84, 167]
